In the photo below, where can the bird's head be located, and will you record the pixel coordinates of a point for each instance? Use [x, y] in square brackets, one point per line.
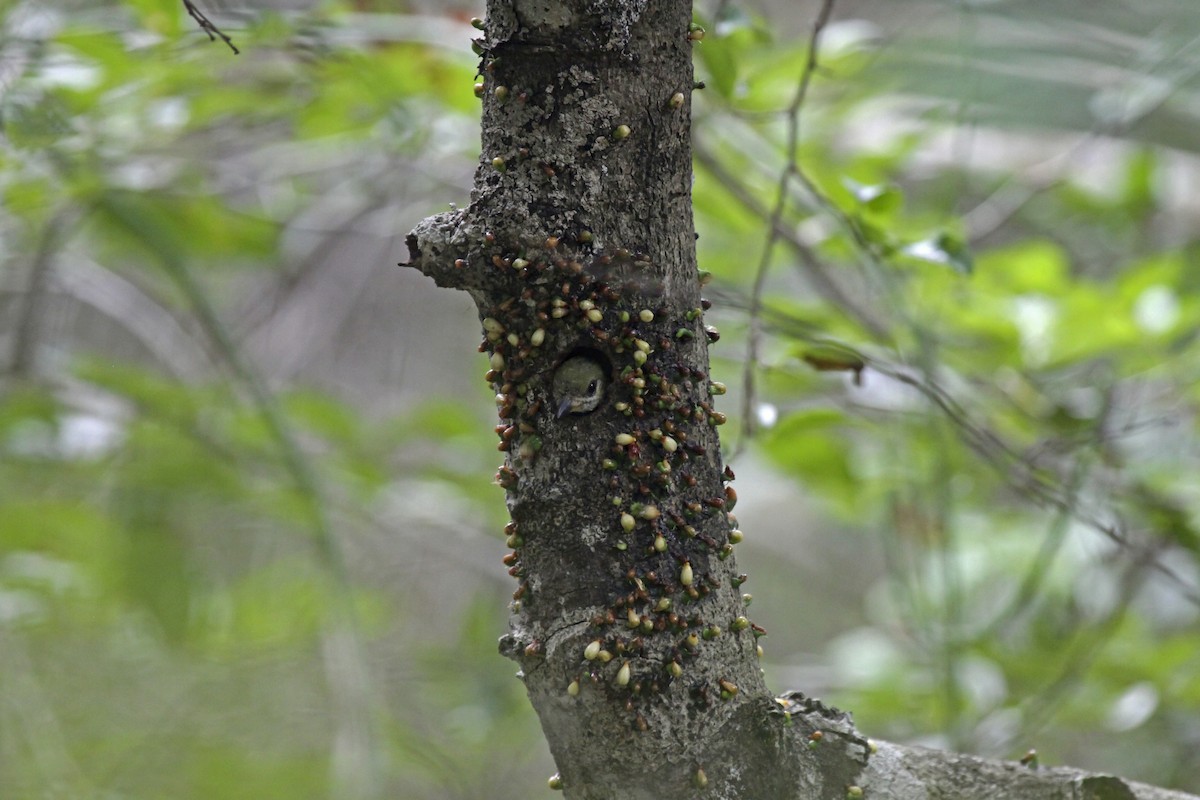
[578, 386]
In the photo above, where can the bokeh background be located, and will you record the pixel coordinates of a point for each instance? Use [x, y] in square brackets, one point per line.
[249, 543]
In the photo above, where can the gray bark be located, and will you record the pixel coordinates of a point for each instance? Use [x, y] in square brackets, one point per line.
[916, 773]
[579, 239]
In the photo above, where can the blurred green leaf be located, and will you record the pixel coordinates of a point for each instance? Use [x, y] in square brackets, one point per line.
[945, 249]
[167, 227]
[812, 445]
[226, 773]
[876, 198]
[1031, 266]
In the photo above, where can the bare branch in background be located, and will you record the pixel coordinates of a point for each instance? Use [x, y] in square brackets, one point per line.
[809, 263]
[791, 171]
[206, 25]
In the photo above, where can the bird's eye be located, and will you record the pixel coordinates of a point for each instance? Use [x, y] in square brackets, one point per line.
[592, 387]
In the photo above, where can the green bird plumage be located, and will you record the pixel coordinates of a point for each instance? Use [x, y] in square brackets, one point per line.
[578, 386]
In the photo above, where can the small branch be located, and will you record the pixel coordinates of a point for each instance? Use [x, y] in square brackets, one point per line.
[259, 309]
[436, 248]
[207, 26]
[295, 463]
[792, 170]
[809, 262]
[1083, 649]
[356, 763]
[1039, 566]
[138, 311]
[1017, 472]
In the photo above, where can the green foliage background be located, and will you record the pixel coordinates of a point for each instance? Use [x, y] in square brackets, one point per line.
[248, 546]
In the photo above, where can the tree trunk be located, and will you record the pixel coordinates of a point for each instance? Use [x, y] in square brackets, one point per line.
[627, 621]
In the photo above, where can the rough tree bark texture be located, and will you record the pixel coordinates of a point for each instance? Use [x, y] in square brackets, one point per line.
[628, 621]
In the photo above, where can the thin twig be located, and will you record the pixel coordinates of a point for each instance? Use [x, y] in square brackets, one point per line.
[1018, 473]
[1015, 468]
[999, 207]
[1086, 647]
[809, 261]
[344, 651]
[207, 26]
[260, 308]
[1039, 566]
[792, 170]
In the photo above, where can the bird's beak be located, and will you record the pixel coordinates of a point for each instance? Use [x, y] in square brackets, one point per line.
[563, 408]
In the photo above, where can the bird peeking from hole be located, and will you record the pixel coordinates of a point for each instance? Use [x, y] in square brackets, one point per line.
[578, 386]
